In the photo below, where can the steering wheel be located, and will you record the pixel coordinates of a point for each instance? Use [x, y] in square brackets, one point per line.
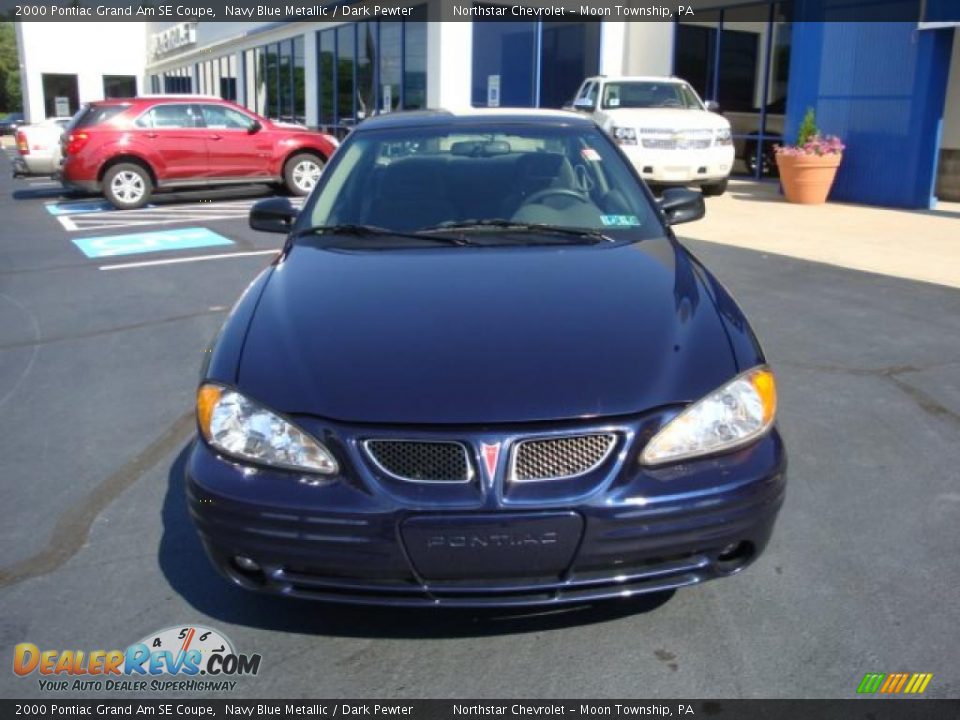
[671, 102]
[559, 192]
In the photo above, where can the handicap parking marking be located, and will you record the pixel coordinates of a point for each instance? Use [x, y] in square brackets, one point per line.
[149, 242]
[78, 207]
[108, 218]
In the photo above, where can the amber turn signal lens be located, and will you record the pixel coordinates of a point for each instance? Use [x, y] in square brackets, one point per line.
[207, 398]
[766, 386]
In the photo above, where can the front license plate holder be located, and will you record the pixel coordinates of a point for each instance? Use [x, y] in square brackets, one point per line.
[478, 547]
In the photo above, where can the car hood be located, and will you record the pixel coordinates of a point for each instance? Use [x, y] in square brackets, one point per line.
[483, 335]
[663, 118]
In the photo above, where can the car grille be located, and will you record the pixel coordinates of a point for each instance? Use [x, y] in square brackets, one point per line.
[560, 458]
[420, 461]
[671, 144]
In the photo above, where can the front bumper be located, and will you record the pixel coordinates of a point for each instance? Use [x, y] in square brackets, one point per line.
[681, 167]
[617, 532]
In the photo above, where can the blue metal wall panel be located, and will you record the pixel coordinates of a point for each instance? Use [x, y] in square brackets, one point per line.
[881, 87]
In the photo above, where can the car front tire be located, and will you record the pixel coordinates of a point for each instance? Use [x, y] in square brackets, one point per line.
[127, 186]
[301, 173]
[714, 189]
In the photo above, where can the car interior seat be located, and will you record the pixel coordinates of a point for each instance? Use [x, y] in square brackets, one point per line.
[411, 195]
[535, 172]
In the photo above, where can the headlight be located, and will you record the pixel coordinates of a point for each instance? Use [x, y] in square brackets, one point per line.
[724, 137]
[736, 414]
[625, 135]
[242, 429]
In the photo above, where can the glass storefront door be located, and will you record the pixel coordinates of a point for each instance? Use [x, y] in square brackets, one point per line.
[532, 64]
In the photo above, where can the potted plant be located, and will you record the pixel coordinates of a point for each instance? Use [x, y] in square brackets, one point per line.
[808, 168]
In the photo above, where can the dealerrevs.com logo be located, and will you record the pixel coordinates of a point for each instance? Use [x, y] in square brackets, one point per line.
[182, 658]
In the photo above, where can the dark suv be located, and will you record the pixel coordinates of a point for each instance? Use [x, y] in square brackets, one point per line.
[126, 149]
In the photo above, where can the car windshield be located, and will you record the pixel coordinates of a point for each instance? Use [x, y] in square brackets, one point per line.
[515, 182]
[650, 94]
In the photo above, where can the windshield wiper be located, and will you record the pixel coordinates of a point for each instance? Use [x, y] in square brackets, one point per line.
[504, 224]
[359, 230]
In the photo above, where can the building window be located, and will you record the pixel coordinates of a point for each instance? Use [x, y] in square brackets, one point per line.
[119, 86]
[176, 82]
[275, 80]
[299, 81]
[504, 64]
[415, 60]
[327, 77]
[346, 66]
[60, 95]
[391, 65]
[569, 52]
[228, 77]
[532, 64]
[369, 68]
[366, 65]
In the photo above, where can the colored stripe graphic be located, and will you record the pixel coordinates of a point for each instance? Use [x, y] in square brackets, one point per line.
[895, 683]
[918, 683]
[871, 682]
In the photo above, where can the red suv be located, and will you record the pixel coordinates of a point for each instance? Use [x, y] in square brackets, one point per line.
[126, 149]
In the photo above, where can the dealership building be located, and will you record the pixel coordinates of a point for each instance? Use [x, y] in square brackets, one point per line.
[891, 90]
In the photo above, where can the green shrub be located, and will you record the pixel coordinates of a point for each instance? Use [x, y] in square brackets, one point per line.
[808, 128]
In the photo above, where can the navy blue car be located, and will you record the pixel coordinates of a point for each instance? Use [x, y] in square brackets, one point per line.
[483, 371]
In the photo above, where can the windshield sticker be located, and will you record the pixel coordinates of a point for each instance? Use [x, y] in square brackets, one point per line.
[613, 102]
[620, 220]
[588, 153]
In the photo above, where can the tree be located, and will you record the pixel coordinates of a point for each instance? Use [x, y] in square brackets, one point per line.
[11, 99]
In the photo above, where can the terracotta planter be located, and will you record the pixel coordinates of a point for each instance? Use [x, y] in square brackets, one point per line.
[807, 179]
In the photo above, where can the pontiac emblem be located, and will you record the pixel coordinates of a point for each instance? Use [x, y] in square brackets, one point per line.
[491, 454]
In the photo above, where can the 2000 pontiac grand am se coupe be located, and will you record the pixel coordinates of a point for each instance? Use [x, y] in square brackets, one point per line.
[483, 371]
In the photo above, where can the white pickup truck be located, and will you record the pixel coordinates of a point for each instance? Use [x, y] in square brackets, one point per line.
[38, 147]
[669, 134]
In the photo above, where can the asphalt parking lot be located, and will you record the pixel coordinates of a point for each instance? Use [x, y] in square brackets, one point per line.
[100, 345]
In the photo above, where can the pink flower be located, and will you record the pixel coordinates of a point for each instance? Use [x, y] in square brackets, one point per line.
[816, 145]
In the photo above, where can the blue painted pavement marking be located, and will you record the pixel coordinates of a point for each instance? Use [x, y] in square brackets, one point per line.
[83, 207]
[78, 208]
[148, 242]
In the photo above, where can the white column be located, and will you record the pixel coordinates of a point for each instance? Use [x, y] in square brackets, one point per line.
[613, 36]
[649, 48]
[310, 76]
[449, 64]
[31, 84]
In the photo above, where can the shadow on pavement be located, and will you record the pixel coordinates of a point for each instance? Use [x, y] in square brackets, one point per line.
[185, 566]
[937, 212]
[234, 192]
[43, 193]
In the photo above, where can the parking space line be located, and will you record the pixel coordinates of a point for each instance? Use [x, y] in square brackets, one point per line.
[85, 219]
[68, 224]
[194, 258]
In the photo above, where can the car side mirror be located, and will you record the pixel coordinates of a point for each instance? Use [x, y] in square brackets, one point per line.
[583, 104]
[255, 127]
[680, 205]
[712, 105]
[274, 215]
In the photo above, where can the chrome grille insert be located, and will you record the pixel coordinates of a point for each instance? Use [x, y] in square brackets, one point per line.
[420, 460]
[673, 144]
[560, 458]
